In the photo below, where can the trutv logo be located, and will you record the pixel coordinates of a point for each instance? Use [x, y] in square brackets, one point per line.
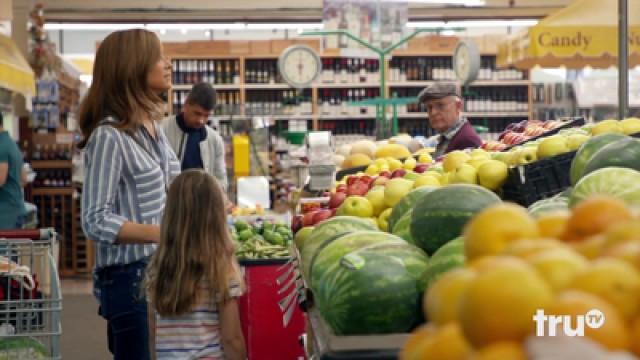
[547, 325]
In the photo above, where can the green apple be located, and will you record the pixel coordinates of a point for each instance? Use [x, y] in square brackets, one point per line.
[476, 161]
[302, 235]
[409, 164]
[480, 153]
[356, 206]
[410, 175]
[376, 198]
[492, 174]
[465, 174]
[383, 220]
[395, 190]
[454, 159]
[527, 156]
[426, 180]
[552, 146]
[575, 140]
[630, 125]
[607, 126]
[435, 174]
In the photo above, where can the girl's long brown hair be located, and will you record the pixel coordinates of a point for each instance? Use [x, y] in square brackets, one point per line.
[119, 86]
[195, 245]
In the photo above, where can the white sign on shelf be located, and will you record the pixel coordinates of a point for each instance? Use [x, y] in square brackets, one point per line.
[603, 91]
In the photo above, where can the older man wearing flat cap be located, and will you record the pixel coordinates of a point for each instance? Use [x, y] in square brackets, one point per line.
[444, 107]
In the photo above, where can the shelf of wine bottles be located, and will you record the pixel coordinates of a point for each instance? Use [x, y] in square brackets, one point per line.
[349, 70]
[262, 71]
[51, 152]
[227, 101]
[335, 102]
[502, 99]
[278, 102]
[409, 108]
[348, 127]
[52, 178]
[415, 127]
[192, 71]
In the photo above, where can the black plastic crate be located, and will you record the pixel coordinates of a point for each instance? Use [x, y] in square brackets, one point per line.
[542, 179]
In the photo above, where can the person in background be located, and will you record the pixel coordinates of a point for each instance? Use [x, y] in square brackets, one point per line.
[193, 279]
[444, 107]
[196, 144]
[12, 178]
[128, 166]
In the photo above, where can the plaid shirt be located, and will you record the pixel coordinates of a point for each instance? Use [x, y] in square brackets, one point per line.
[445, 137]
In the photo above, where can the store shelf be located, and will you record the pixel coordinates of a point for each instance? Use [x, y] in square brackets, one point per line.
[424, 115]
[346, 117]
[51, 164]
[267, 86]
[341, 85]
[52, 191]
[475, 83]
[276, 117]
[416, 83]
[215, 86]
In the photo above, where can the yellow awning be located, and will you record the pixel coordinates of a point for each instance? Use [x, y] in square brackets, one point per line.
[15, 72]
[584, 33]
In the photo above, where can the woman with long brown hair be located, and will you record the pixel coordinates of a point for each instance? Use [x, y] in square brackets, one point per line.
[193, 279]
[128, 167]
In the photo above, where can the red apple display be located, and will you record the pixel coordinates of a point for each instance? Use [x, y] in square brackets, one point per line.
[307, 219]
[296, 223]
[357, 188]
[421, 168]
[398, 173]
[321, 215]
[336, 199]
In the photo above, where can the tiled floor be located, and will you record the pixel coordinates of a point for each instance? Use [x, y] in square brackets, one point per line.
[76, 286]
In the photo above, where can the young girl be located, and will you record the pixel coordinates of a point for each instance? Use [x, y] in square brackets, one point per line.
[193, 279]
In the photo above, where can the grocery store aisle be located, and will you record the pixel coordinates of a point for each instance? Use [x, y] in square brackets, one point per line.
[83, 330]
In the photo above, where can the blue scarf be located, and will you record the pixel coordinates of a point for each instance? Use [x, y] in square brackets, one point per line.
[190, 152]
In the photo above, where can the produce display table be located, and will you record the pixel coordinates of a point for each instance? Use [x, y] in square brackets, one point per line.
[262, 321]
[322, 344]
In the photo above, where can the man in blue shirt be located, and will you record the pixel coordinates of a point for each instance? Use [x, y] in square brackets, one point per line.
[12, 177]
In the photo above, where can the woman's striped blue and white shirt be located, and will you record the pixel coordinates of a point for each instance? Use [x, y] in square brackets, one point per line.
[125, 181]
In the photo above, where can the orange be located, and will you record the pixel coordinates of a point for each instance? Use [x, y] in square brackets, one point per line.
[501, 351]
[487, 263]
[498, 305]
[612, 280]
[635, 336]
[492, 230]
[594, 216]
[558, 267]
[591, 247]
[629, 252]
[529, 247]
[553, 225]
[442, 299]
[613, 334]
[623, 232]
[443, 343]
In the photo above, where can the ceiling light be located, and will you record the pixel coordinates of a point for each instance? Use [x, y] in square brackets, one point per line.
[83, 26]
[207, 33]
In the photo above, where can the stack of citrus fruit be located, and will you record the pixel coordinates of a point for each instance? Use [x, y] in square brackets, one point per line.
[562, 264]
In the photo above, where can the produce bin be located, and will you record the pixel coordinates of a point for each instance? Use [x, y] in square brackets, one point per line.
[542, 179]
[262, 321]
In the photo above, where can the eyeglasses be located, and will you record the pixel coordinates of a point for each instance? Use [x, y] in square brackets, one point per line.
[440, 106]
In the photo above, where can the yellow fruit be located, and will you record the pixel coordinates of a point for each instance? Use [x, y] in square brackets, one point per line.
[594, 216]
[383, 220]
[479, 154]
[454, 159]
[372, 169]
[614, 281]
[464, 174]
[366, 147]
[435, 174]
[607, 126]
[492, 174]
[426, 180]
[381, 162]
[499, 304]
[384, 167]
[394, 164]
[376, 198]
[501, 351]
[425, 158]
[591, 247]
[418, 341]
[442, 299]
[444, 343]
[427, 151]
[630, 126]
[628, 252]
[553, 225]
[494, 228]
[355, 160]
[635, 336]
[526, 248]
[487, 263]
[558, 267]
[623, 232]
[476, 162]
[613, 334]
[409, 163]
[395, 151]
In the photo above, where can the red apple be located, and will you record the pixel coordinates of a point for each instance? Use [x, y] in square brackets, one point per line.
[341, 188]
[321, 215]
[351, 179]
[380, 180]
[385, 173]
[333, 212]
[357, 188]
[367, 179]
[420, 168]
[307, 219]
[296, 223]
[398, 173]
[336, 199]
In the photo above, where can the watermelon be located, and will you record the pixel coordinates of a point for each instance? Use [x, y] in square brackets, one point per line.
[440, 215]
[448, 257]
[407, 202]
[402, 228]
[624, 153]
[338, 225]
[373, 290]
[547, 206]
[587, 150]
[621, 183]
[334, 248]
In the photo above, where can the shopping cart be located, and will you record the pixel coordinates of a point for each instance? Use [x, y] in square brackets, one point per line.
[30, 297]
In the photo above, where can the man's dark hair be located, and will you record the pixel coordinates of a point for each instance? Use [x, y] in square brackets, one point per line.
[204, 95]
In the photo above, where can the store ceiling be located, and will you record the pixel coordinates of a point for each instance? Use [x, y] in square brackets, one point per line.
[271, 10]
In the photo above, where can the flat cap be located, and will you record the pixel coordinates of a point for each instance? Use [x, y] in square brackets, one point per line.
[438, 91]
